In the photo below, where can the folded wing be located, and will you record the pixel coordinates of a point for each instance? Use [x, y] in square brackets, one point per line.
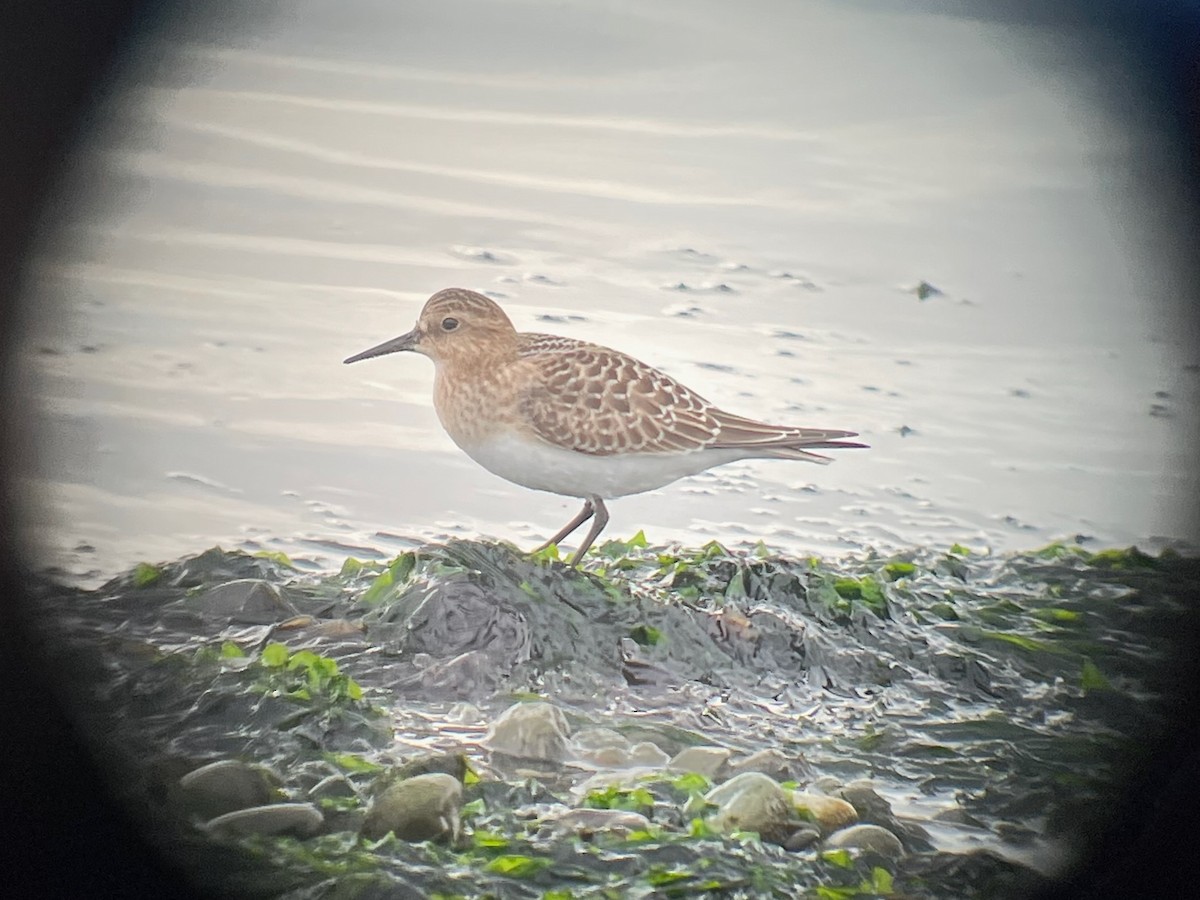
[598, 401]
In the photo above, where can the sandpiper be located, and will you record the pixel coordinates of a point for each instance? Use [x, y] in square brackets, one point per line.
[574, 418]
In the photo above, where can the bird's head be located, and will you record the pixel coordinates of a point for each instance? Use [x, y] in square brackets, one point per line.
[456, 326]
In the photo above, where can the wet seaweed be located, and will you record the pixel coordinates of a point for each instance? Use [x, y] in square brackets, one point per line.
[1008, 692]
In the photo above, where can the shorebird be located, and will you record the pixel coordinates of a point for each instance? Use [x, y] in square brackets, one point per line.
[574, 418]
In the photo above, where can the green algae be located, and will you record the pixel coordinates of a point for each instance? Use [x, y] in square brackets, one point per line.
[276, 556]
[517, 865]
[637, 799]
[390, 580]
[880, 883]
[305, 676]
[145, 575]
[692, 783]
[646, 635]
[867, 589]
[1091, 678]
[351, 568]
[353, 762]
[899, 569]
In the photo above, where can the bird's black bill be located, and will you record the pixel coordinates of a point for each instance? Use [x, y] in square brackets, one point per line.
[395, 345]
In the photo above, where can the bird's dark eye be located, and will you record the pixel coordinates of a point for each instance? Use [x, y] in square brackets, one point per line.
[449, 324]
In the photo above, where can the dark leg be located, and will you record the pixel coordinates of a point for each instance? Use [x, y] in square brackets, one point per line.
[584, 514]
[594, 532]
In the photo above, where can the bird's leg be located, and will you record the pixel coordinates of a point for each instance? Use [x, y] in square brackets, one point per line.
[601, 512]
[584, 514]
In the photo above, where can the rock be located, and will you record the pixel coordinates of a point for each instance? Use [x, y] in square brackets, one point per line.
[336, 785]
[622, 780]
[771, 762]
[586, 822]
[247, 601]
[867, 802]
[871, 838]
[754, 802]
[463, 713]
[607, 749]
[601, 746]
[704, 760]
[594, 738]
[611, 757]
[302, 777]
[423, 808]
[827, 813]
[826, 784]
[454, 764]
[647, 753]
[299, 819]
[224, 786]
[536, 731]
[956, 815]
[873, 808]
[804, 836]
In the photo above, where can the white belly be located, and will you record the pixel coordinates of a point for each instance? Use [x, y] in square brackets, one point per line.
[543, 467]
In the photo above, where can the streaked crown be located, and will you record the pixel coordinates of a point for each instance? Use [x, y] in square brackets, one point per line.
[456, 323]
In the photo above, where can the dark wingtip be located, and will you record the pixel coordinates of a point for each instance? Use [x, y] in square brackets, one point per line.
[837, 445]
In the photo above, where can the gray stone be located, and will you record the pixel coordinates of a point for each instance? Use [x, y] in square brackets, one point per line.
[610, 757]
[861, 794]
[463, 713]
[804, 836]
[826, 784]
[956, 815]
[705, 760]
[601, 747]
[622, 780]
[875, 809]
[827, 813]
[225, 786]
[423, 808]
[298, 819]
[754, 802]
[455, 764]
[647, 753]
[536, 731]
[872, 838]
[590, 821]
[771, 762]
[587, 741]
[337, 785]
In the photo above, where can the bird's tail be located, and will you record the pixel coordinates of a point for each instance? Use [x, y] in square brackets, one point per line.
[780, 441]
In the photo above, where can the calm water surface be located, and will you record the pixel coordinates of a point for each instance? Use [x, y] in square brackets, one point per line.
[746, 198]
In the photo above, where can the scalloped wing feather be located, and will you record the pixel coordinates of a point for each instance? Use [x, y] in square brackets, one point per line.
[602, 402]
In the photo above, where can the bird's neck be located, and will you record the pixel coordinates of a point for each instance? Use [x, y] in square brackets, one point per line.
[475, 396]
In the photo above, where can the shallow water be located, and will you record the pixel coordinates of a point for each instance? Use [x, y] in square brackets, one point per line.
[745, 200]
